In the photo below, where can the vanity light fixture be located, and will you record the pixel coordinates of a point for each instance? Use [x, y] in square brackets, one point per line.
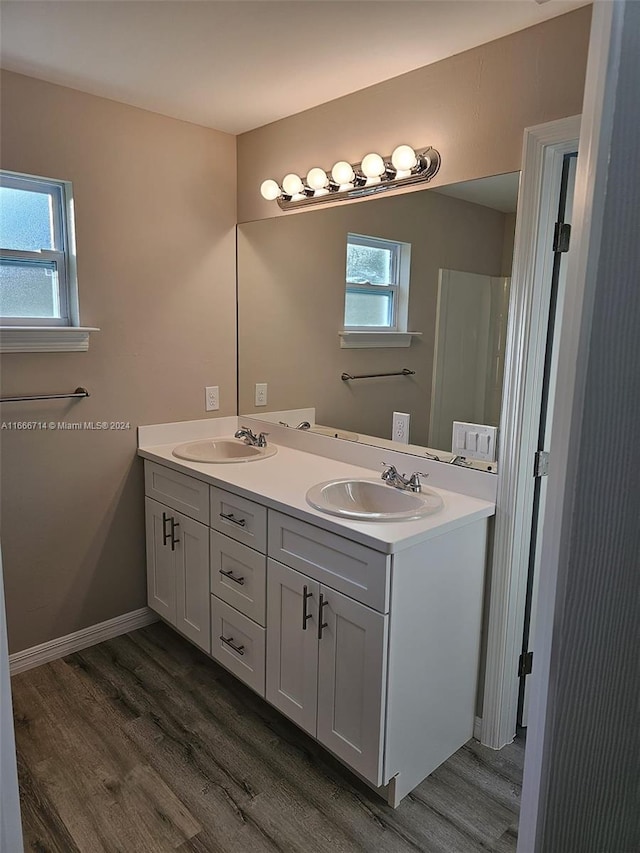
[346, 180]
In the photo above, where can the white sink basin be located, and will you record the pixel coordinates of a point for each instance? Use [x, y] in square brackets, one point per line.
[222, 450]
[372, 500]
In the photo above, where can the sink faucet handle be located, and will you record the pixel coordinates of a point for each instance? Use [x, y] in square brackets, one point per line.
[262, 439]
[248, 436]
[414, 481]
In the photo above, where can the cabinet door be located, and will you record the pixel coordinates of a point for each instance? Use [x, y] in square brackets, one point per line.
[352, 677]
[192, 580]
[161, 561]
[292, 650]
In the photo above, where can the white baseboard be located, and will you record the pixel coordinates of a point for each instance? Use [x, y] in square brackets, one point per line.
[477, 728]
[61, 646]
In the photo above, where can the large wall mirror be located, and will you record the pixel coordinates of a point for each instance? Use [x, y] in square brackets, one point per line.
[454, 291]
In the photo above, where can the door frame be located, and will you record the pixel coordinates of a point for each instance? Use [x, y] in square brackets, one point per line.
[544, 149]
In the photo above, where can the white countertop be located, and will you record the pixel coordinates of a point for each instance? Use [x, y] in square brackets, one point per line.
[282, 481]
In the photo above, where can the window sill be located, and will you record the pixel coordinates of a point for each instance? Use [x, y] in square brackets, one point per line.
[369, 340]
[45, 338]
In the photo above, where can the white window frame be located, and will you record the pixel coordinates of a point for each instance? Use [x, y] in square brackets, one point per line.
[395, 334]
[392, 287]
[48, 334]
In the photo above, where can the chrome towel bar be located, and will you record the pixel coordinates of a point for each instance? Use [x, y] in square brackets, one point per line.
[79, 392]
[404, 372]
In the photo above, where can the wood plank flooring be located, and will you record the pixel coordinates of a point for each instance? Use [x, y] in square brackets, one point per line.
[143, 745]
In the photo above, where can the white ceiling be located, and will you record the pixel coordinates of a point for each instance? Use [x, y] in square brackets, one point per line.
[239, 64]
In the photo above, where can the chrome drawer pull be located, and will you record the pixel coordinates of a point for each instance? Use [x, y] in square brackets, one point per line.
[229, 642]
[241, 522]
[232, 577]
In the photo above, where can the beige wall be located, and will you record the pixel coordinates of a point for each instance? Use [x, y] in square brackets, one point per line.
[472, 107]
[155, 215]
[291, 288]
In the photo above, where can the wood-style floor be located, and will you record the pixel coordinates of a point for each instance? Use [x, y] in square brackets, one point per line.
[143, 745]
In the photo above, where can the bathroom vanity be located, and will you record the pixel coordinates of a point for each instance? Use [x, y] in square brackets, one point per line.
[365, 634]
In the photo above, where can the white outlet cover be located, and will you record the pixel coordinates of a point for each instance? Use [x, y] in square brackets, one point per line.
[400, 429]
[261, 394]
[212, 398]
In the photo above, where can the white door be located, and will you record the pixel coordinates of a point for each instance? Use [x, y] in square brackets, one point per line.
[546, 418]
[10, 826]
[191, 543]
[292, 644]
[352, 677]
[161, 560]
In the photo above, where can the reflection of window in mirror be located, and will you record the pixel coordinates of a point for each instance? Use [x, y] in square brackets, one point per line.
[377, 284]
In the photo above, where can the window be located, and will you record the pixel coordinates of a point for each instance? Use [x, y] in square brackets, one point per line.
[377, 287]
[37, 270]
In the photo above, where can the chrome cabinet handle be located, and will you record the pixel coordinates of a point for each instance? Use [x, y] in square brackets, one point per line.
[321, 624]
[229, 642]
[232, 577]
[305, 616]
[241, 522]
[174, 541]
[166, 536]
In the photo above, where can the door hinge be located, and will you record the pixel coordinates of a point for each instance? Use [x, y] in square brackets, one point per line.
[525, 664]
[561, 237]
[541, 463]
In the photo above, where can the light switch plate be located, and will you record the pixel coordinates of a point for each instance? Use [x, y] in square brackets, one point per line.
[475, 441]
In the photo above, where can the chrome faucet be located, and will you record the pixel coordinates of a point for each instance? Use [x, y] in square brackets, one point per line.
[251, 438]
[400, 481]
[459, 460]
[301, 425]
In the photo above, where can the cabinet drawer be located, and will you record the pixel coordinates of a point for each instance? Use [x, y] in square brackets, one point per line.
[238, 576]
[243, 653]
[353, 569]
[178, 491]
[239, 518]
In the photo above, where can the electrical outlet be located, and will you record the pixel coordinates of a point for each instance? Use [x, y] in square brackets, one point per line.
[212, 398]
[400, 430]
[261, 393]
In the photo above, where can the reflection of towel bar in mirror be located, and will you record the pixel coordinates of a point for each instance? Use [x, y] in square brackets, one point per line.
[79, 392]
[404, 372]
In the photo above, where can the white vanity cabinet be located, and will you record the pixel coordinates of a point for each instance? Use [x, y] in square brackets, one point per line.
[178, 570]
[373, 654]
[326, 666]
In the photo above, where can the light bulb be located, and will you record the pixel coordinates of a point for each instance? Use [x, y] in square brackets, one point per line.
[270, 190]
[342, 173]
[317, 178]
[404, 158]
[372, 166]
[292, 184]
